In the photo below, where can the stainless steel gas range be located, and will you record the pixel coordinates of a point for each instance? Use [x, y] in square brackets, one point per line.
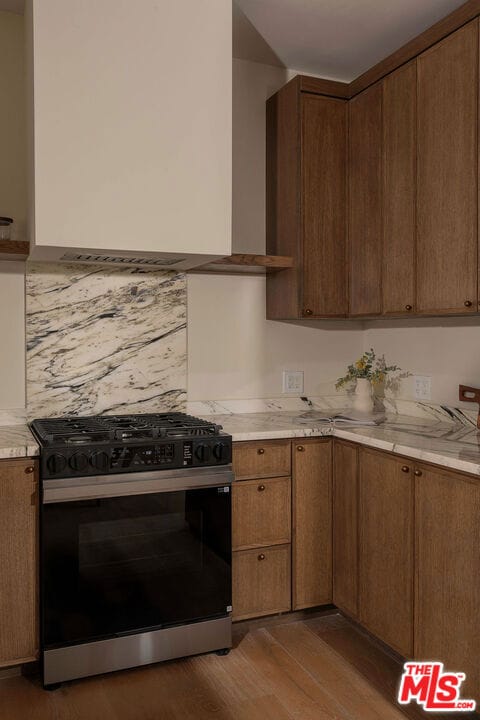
[135, 541]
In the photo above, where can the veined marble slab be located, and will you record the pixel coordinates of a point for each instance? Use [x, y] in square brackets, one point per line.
[12, 417]
[104, 340]
[449, 444]
[16, 441]
[335, 403]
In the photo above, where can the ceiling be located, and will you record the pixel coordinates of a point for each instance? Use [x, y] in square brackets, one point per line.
[15, 6]
[337, 39]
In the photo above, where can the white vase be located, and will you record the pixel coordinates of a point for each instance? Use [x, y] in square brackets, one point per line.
[363, 397]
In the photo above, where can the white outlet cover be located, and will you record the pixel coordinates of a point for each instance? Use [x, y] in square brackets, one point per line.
[422, 387]
[293, 382]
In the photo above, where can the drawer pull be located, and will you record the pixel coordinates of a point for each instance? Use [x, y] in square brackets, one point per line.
[307, 311]
[300, 448]
[405, 468]
[261, 556]
[29, 469]
[408, 307]
[468, 303]
[418, 473]
[261, 488]
[260, 451]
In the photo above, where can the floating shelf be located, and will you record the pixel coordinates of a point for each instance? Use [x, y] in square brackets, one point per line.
[14, 250]
[246, 264]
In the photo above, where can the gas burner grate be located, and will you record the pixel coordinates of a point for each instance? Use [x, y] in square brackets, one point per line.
[104, 428]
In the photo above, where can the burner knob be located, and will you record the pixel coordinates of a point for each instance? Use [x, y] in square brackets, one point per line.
[56, 463]
[202, 453]
[78, 462]
[220, 451]
[100, 461]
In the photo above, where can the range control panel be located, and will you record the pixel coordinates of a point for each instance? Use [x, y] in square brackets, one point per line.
[71, 461]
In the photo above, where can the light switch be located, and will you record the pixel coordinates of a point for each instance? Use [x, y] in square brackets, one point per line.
[422, 387]
[293, 381]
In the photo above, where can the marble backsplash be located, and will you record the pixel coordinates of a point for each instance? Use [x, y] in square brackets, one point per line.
[104, 340]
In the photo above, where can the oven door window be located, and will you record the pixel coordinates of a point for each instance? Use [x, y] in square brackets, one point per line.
[122, 565]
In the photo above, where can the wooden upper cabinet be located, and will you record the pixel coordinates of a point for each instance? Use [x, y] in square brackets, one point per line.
[324, 157]
[399, 190]
[447, 174]
[447, 598]
[18, 562]
[306, 203]
[386, 559]
[365, 201]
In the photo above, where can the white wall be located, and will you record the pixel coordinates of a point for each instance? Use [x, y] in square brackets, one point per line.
[233, 351]
[13, 187]
[446, 349]
[12, 203]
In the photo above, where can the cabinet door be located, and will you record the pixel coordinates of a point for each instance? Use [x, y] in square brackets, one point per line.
[386, 549]
[312, 523]
[345, 527]
[365, 201]
[18, 562]
[261, 513]
[324, 157]
[399, 190]
[447, 174]
[261, 582]
[447, 593]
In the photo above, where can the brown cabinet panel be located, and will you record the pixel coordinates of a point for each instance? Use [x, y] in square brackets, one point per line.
[271, 458]
[345, 527]
[365, 202]
[324, 158]
[312, 523]
[447, 174]
[261, 513]
[18, 561]
[283, 218]
[447, 596]
[399, 190]
[386, 517]
[261, 581]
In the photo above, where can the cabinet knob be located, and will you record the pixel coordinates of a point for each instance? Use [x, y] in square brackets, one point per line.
[261, 556]
[260, 451]
[29, 469]
[307, 311]
[405, 468]
[418, 473]
[261, 488]
[409, 307]
[300, 448]
[468, 303]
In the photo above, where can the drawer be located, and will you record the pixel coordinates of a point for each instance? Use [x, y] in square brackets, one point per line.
[261, 582]
[261, 459]
[261, 513]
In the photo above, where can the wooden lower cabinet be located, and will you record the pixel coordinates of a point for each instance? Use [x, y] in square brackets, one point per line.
[312, 523]
[447, 597]
[345, 526]
[261, 513]
[386, 533]
[261, 582]
[18, 562]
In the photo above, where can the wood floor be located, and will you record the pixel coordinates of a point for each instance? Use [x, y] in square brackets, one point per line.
[319, 668]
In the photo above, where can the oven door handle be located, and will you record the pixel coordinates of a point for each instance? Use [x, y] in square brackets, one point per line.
[142, 483]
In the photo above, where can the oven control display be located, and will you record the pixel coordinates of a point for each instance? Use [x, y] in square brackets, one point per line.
[133, 456]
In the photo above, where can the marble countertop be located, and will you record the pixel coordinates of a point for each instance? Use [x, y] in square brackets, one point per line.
[16, 441]
[451, 445]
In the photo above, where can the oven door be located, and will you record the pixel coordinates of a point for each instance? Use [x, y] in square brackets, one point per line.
[141, 556]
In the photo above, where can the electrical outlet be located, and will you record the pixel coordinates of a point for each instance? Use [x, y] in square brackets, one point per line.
[422, 387]
[293, 381]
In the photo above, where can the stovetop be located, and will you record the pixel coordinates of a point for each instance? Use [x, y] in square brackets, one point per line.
[107, 444]
[104, 428]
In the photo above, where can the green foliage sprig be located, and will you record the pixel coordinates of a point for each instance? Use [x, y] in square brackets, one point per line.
[368, 366]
